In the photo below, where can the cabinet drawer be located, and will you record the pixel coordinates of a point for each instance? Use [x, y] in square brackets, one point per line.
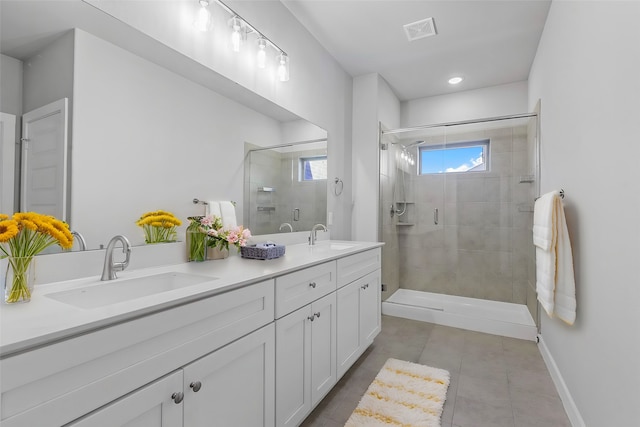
[62, 381]
[297, 289]
[355, 266]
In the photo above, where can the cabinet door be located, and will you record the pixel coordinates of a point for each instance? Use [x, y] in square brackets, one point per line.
[151, 406]
[370, 308]
[323, 347]
[293, 373]
[233, 386]
[348, 322]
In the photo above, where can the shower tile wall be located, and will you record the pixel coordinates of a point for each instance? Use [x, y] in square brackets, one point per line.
[481, 245]
[279, 171]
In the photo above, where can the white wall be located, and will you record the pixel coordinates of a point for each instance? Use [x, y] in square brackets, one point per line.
[147, 139]
[586, 75]
[491, 101]
[48, 75]
[319, 89]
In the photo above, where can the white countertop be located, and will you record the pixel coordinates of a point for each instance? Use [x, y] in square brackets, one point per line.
[44, 320]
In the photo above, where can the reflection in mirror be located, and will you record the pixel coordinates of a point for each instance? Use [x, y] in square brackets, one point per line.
[286, 187]
[142, 136]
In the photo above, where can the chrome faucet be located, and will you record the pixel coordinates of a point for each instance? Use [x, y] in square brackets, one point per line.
[312, 235]
[110, 267]
[284, 225]
[81, 242]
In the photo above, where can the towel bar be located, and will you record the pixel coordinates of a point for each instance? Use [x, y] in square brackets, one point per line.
[561, 195]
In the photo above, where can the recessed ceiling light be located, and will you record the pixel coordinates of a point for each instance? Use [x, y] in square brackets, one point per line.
[455, 80]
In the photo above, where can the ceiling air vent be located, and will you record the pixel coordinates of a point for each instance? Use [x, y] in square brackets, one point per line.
[420, 29]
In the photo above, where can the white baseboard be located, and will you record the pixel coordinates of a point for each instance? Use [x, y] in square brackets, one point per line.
[569, 405]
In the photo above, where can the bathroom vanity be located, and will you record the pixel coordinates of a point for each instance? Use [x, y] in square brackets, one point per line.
[227, 342]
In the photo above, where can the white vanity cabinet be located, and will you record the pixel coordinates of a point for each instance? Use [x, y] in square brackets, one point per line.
[231, 386]
[63, 381]
[359, 306]
[305, 348]
[259, 354]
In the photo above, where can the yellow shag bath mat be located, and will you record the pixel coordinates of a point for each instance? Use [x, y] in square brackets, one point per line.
[403, 394]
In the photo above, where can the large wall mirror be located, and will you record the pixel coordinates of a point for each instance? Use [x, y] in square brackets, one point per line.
[146, 127]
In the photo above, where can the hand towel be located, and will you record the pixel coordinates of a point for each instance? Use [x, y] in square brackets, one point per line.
[228, 211]
[214, 208]
[555, 283]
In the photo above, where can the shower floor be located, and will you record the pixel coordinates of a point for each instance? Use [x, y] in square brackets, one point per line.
[492, 317]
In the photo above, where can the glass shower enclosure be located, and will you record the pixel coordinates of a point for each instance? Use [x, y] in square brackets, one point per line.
[456, 214]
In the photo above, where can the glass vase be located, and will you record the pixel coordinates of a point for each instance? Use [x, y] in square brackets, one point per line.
[217, 253]
[196, 245]
[18, 279]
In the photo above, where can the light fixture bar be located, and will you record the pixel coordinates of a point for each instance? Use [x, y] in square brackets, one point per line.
[248, 26]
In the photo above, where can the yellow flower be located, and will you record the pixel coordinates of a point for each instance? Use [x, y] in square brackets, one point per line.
[3, 216]
[8, 229]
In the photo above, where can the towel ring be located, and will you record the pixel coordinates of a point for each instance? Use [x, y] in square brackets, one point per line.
[337, 182]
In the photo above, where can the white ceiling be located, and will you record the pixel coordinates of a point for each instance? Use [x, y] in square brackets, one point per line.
[488, 42]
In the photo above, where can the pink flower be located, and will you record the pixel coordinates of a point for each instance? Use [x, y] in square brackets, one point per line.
[233, 237]
[207, 220]
[213, 233]
[246, 233]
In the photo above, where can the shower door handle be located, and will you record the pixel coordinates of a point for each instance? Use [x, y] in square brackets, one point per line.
[435, 216]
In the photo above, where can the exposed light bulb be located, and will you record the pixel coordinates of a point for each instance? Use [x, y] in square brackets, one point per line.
[262, 53]
[236, 36]
[203, 17]
[283, 67]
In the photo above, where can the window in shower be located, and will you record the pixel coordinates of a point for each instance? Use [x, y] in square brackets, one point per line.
[313, 168]
[468, 156]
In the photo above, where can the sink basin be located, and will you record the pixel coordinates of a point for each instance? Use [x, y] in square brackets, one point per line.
[119, 290]
[340, 246]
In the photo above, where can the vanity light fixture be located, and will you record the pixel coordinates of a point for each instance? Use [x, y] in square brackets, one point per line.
[203, 17]
[240, 30]
[283, 67]
[455, 80]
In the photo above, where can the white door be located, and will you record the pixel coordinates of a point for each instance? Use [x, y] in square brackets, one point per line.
[233, 386]
[323, 347]
[7, 161]
[293, 370]
[44, 160]
[151, 406]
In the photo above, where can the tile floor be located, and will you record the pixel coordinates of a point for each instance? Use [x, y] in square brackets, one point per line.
[495, 381]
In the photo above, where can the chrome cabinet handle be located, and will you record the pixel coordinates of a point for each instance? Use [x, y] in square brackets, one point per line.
[311, 318]
[435, 216]
[313, 285]
[317, 314]
[365, 286]
[177, 397]
[196, 386]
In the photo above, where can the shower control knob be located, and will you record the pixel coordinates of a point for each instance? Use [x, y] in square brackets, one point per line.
[177, 397]
[196, 386]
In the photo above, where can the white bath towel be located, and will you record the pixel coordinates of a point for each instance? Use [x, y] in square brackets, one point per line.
[214, 208]
[226, 211]
[555, 283]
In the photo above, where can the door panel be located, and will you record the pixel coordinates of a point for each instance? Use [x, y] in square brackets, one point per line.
[44, 160]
